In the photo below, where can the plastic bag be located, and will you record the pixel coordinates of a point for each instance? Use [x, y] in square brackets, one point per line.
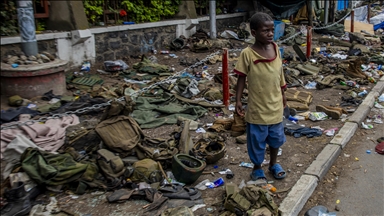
[117, 65]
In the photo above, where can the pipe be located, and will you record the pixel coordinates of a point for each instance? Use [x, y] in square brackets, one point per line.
[309, 41]
[326, 11]
[310, 15]
[212, 19]
[26, 19]
[352, 20]
[225, 78]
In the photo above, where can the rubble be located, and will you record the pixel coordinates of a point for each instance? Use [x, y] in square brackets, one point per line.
[21, 59]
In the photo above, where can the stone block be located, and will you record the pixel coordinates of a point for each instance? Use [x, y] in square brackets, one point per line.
[114, 45]
[360, 114]
[379, 87]
[109, 56]
[345, 134]
[324, 161]
[298, 196]
[369, 100]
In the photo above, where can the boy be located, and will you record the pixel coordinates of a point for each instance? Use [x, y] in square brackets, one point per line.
[261, 64]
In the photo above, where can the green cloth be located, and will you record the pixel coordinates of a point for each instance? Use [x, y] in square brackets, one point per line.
[151, 112]
[56, 169]
[49, 107]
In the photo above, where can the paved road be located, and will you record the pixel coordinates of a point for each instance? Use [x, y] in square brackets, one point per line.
[360, 187]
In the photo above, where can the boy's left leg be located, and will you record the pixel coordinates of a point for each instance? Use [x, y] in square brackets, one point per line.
[275, 139]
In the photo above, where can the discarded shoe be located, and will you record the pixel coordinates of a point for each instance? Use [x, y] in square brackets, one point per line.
[179, 192]
[330, 111]
[242, 139]
[220, 125]
[239, 125]
[18, 202]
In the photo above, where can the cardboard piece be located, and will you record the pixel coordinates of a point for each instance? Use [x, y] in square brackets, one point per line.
[358, 26]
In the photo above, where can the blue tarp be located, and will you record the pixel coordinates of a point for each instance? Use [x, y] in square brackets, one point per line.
[378, 26]
[341, 4]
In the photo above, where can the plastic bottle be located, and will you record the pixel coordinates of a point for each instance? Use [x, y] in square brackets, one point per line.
[372, 80]
[343, 83]
[363, 93]
[350, 83]
[270, 188]
[164, 52]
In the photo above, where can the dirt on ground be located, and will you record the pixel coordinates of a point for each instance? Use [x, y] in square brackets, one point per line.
[297, 153]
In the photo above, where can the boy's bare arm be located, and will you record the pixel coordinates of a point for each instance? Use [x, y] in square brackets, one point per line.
[239, 93]
[284, 98]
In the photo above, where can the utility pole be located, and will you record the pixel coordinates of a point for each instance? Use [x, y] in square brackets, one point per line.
[310, 15]
[326, 11]
[26, 19]
[212, 18]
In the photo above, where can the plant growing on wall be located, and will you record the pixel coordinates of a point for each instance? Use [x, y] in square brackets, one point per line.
[150, 10]
[93, 10]
[8, 25]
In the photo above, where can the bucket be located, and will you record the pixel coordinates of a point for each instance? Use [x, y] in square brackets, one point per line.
[186, 174]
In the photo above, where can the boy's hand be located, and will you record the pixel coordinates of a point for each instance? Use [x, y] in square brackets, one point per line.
[239, 109]
[284, 100]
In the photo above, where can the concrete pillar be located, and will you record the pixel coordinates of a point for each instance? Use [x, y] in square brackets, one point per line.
[212, 19]
[26, 18]
[67, 16]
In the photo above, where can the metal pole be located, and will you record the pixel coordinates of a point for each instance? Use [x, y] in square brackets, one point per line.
[310, 15]
[212, 18]
[352, 20]
[326, 11]
[225, 78]
[309, 41]
[25, 16]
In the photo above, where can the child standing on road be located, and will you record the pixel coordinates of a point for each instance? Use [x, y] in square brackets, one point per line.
[261, 65]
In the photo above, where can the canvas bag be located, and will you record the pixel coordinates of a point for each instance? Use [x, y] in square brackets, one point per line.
[111, 165]
[120, 134]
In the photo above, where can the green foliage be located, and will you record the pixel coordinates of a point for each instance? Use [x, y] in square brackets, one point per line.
[93, 10]
[8, 26]
[150, 10]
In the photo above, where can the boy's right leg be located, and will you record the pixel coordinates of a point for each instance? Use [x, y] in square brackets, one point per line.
[256, 144]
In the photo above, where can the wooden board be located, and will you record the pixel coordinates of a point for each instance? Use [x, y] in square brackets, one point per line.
[358, 26]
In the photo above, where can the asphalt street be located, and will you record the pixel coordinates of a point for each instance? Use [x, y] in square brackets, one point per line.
[360, 189]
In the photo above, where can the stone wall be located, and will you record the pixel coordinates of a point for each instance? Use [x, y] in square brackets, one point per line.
[15, 49]
[116, 45]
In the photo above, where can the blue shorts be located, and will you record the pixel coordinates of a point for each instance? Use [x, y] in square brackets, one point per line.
[259, 135]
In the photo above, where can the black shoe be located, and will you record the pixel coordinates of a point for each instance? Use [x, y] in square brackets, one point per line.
[18, 202]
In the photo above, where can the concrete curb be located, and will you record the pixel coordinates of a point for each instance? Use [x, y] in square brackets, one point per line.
[303, 189]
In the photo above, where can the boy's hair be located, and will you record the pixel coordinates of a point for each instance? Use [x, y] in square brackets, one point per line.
[258, 18]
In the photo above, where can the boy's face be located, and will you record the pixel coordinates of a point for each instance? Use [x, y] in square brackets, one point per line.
[264, 34]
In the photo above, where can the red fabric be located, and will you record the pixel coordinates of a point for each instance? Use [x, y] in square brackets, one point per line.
[239, 73]
[380, 148]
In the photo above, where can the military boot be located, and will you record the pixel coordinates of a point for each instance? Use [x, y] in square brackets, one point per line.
[18, 201]
[332, 112]
[220, 125]
[238, 126]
